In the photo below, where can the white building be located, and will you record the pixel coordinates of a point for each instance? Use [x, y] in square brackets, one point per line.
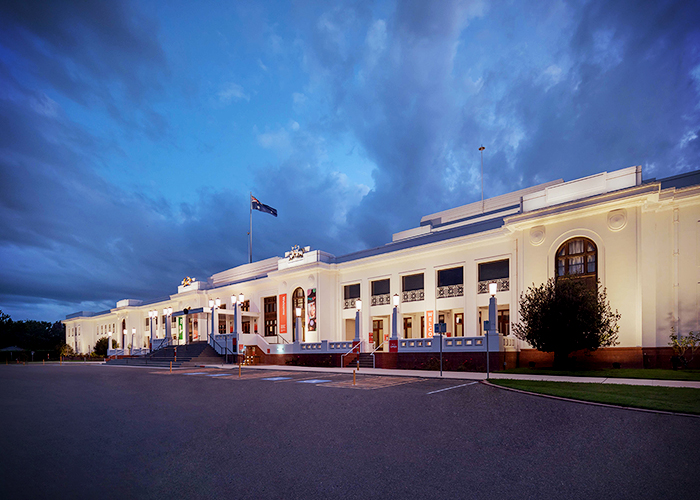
[640, 239]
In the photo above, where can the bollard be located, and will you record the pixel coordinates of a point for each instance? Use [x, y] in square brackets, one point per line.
[239, 366]
[171, 367]
[43, 362]
[353, 377]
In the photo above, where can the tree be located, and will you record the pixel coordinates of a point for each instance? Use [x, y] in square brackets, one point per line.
[680, 345]
[66, 350]
[566, 315]
[101, 346]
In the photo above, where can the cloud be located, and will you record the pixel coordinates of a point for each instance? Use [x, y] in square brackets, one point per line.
[233, 92]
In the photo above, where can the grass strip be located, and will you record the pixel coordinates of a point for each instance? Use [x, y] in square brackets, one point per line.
[675, 399]
[646, 373]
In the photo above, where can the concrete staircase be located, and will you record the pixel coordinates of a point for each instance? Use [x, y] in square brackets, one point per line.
[193, 354]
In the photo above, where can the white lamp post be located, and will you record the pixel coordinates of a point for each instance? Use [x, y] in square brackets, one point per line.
[133, 339]
[213, 305]
[493, 288]
[152, 315]
[358, 308]
[395, 317]
[109, 342]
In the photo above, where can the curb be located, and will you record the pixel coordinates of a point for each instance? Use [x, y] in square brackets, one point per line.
[592, 403]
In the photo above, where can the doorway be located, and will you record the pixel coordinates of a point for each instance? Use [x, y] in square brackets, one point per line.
[378, 332]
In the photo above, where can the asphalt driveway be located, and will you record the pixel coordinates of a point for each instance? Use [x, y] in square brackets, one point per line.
[77, 431]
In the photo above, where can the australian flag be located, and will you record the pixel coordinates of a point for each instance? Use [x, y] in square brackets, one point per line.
[256, 205]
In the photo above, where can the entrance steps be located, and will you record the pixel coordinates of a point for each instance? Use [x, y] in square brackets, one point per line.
[193, 354]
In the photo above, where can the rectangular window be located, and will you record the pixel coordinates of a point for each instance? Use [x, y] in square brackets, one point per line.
[412, 282]
[380, 287]
[351, 291]
[494, 270]
[222, 325]
[147, 322]
[504, 322]
[454, 276]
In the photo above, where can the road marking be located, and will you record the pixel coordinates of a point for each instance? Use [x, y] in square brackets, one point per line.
[195, 373]
[218, 375]
[274, 379]
[314, 381]
[453, 387]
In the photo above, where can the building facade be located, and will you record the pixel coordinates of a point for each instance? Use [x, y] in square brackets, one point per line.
[641, 240]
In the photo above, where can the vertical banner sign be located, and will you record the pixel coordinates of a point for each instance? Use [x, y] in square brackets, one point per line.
[180, 328]
[429, 320]
[283, 313]
[311, 294]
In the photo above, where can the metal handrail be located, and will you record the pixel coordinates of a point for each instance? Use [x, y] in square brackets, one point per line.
[224, 348]
[356, 346]
[372, 354]
[168, 341]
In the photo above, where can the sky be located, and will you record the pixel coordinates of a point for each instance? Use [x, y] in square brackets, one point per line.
[131, 133]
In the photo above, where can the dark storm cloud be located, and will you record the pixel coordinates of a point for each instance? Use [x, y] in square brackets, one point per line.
[99, 54]
[610, 86]
[103, 40]
[69, 234]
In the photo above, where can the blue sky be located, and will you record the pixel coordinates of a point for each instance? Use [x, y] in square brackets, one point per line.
[132, 132]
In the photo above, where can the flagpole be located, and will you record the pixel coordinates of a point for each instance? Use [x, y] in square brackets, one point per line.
[250, 234]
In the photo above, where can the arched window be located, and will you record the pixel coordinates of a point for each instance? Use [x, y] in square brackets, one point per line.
[578, 258]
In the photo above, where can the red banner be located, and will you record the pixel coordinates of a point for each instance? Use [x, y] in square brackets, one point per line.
[429, 319]
[283, 313]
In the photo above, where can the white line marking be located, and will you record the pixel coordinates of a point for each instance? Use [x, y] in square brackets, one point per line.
[453, 387]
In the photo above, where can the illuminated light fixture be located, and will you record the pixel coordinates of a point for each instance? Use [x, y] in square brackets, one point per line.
[170, 310]
[241, 298]
[358, 304]
[133, 331]
[396, 299]
[298, 311]
[217, 302]
[211, 304]
[233, 300]
[493, 288]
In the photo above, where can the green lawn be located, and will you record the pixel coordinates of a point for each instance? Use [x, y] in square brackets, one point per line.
[650, 373]
[683, 400]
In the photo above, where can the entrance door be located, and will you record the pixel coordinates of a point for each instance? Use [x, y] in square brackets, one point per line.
[408, 328]
[378, 332]
[459, 324]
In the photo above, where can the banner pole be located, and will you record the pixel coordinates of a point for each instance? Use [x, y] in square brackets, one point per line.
[250, 234]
